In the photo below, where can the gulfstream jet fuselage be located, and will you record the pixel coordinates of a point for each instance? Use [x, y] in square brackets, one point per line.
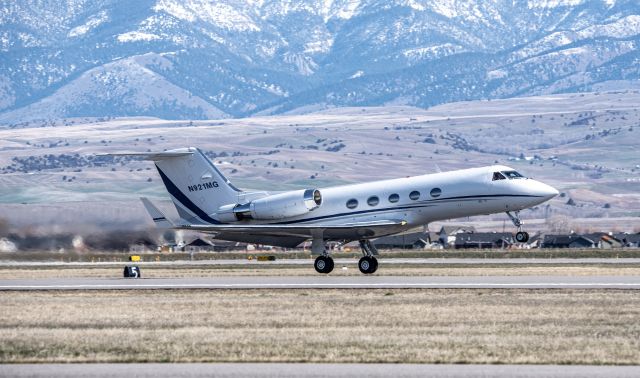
[206, 201]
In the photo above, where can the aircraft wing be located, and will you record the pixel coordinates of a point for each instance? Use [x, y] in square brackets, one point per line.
[358, 229]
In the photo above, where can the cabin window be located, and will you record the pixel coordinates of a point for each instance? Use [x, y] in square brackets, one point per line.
[435, 192]
[394, 198]
[373, 201]
[414, 195]
[498, 176]
[352, 203]
[513, 175]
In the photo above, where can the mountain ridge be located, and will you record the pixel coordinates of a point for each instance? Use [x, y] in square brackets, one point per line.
[236, 58]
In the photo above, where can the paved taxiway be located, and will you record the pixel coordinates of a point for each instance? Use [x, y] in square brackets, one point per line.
[313, 370]
[329, 282]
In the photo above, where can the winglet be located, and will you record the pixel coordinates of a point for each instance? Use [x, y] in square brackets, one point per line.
[158, 217]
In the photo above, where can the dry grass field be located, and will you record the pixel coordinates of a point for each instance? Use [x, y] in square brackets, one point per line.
[436, 326]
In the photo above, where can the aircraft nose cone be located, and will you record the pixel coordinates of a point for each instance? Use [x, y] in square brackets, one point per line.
[547, 192]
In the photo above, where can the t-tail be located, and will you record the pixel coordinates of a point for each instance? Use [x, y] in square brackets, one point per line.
[197, 188]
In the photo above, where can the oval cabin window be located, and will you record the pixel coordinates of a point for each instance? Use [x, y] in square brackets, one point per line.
[373, 201]
[436, 192]
[414, 195]
[394, 198]
[352, 203]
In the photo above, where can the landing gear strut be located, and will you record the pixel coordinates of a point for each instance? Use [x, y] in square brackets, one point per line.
[368, 264]
[521, 236]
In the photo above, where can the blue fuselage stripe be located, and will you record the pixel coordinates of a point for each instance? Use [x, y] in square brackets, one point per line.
[184, 200]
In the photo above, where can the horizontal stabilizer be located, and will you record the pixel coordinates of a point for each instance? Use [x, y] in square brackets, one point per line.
[158, 217]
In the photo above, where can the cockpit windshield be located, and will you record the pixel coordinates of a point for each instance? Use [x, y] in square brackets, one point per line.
[506, 175]
[512, 175]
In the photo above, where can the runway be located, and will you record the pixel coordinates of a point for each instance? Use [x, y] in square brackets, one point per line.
[313, 370]
[338, 261]
[329, 282]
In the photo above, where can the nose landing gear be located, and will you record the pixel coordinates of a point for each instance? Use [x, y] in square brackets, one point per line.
[521, 236]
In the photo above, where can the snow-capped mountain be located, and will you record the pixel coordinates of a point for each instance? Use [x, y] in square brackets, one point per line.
[212, 59]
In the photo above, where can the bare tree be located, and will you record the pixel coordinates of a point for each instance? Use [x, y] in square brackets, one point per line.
[559, 224]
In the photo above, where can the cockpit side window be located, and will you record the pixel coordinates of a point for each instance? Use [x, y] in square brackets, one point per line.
[513, 175]
[498, 176]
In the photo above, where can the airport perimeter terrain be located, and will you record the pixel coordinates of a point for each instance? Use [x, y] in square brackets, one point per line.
[389, 325]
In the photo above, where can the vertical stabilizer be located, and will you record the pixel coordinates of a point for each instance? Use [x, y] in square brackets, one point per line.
[196, 186]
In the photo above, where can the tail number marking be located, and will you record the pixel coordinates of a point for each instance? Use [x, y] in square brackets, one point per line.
[203, 186]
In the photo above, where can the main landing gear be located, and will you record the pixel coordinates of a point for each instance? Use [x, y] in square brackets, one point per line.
[324, 262]
[521, 236]
[368, 264]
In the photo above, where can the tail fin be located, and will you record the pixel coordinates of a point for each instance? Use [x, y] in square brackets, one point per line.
[158, 217]
[196, 186]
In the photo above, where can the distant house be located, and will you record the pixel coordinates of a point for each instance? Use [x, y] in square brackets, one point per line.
[416, 240]
[198, 245]
[629, 240]
[595, 237]
[213, 245]
[142, 246]
[534, 241]
[230, 246]
[609, 242]
[447, 234]
[568, 241]
[168, 248]
[481, 240]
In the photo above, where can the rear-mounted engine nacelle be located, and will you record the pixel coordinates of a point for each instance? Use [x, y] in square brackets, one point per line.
[277, 206]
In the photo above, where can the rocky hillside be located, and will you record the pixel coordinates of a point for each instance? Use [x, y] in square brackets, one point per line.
[196, 59]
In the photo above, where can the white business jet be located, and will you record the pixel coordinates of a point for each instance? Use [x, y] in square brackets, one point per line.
[206, 201]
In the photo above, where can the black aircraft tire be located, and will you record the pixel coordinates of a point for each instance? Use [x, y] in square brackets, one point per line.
[367, 265]
[330, 265]
[374, 265]
[522, 237]
[323, 264]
